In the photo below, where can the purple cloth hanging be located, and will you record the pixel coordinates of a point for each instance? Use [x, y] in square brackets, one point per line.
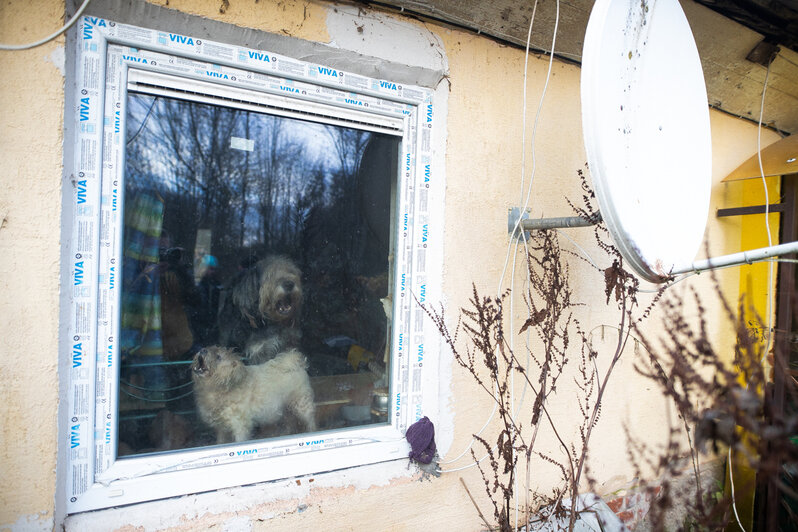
[421, 436]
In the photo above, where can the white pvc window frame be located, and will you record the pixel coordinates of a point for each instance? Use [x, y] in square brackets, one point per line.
[113, 57]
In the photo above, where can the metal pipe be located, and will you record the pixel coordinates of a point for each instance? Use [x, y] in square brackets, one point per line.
[541, 224]
[743, 257]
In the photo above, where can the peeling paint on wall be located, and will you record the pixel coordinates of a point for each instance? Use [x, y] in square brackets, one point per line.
[43, 521]
[58, 58]
[385, 37]
[262, 502]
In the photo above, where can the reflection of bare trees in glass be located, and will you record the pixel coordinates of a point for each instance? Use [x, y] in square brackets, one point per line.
[283, 171]
[349, 145]
[244, 188]
[348, 148]
[186, 158]
[247, 198]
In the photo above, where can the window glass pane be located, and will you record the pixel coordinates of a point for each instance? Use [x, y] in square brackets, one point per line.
[257, 273]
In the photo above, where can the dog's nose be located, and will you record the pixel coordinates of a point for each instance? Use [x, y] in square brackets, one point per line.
[288, 285]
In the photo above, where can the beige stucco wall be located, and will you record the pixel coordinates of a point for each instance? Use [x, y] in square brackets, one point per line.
[483, 172]
[31, 127]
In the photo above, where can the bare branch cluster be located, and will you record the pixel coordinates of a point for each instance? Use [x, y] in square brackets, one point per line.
[559, 343]
[730, 404]
[720, 404]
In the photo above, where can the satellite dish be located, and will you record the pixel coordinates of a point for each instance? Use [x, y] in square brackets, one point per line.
[646, 129]
[645, 121]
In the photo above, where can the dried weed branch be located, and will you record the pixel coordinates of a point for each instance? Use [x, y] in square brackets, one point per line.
[729, 402]
[561, 349]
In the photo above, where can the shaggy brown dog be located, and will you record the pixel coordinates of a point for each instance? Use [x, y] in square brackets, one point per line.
[234, 398]
[261, 310]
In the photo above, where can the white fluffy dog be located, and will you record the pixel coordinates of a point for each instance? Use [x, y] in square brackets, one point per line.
[234, 398]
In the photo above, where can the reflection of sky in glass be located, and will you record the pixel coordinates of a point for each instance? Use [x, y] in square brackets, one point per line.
[317, 143]
[289, 165]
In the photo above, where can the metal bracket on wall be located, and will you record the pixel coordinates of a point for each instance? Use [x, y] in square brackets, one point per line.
[753, 209]
[516, 218]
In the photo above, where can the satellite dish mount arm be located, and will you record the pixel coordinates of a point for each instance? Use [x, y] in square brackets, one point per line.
[525, 223]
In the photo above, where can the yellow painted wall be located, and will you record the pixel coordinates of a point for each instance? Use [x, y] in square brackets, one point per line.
[734, 141]
[739, 141]
[483, 171]
[754, 277]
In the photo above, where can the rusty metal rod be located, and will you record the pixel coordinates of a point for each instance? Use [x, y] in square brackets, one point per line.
[557, 223]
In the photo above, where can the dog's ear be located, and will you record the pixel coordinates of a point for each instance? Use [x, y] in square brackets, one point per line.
[245, 293]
